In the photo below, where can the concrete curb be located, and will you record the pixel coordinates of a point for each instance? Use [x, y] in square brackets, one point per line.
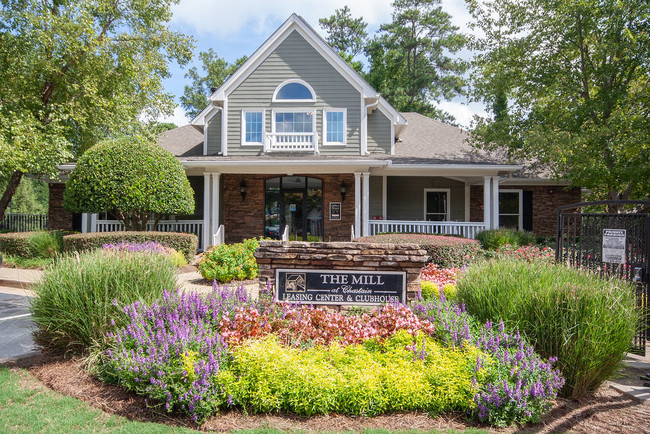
[9, 360]
[639, 394]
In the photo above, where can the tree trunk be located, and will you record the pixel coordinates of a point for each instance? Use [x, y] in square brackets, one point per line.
[9, 191]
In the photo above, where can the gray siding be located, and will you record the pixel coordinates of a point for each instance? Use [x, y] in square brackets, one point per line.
[376, 184]
[406, 196]
[295, 58]
[214, 134]
[379, 127]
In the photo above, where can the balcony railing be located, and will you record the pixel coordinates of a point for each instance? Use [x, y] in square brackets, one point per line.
[187, 226]
[291, 142]
[464, 229]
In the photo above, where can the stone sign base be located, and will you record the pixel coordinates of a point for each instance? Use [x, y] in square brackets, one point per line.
[408, 258]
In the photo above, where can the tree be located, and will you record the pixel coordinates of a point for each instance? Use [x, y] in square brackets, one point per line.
[345, 34]
[409, 59]
[217, 70]
[73, 72]
[569, 82]
[134, 179]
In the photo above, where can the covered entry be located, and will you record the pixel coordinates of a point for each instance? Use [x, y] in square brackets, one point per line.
[294, 203]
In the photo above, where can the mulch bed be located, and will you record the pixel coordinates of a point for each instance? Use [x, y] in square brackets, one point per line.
[606, 411]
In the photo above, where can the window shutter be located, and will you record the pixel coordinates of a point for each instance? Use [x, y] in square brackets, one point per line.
[527, 198]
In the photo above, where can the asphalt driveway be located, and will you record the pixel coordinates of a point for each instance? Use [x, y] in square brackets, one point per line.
[15, 326]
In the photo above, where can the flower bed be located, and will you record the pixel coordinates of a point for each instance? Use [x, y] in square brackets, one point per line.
[198, 355]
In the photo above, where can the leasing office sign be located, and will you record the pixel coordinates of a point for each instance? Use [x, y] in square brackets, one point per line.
[340, 287]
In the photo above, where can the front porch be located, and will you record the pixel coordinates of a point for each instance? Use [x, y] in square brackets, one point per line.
[333, 207]
[344, 206]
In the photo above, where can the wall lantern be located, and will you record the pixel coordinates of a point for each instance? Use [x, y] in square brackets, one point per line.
[344, 189]
[242, 189]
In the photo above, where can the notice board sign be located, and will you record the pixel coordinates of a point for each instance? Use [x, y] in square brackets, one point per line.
[335, 210]
[340, 287]
[614, 246]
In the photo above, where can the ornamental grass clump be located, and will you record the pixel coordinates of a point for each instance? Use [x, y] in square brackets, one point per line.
[73, 308]
[147, 247]
[586, 321]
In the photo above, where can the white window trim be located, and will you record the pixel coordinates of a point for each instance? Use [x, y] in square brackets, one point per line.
[345, 126]
[243, 127]
[444, 190]
[294, 110]
[293, 80]
[521, 206]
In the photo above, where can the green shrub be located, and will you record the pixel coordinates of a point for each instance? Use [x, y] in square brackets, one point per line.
[367, 379]
[132, 178]
[226, 262]
[28, 245]
[75, 299]
[495, 238]
[185, 243]
[431, 290]
[44, 244]
[586, 321]
[443, 251]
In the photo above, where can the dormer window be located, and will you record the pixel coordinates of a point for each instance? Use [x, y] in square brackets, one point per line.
[294, 91]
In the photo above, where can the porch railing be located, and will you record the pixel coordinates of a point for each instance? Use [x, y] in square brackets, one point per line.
[291, 142]
[187, 226]
[464, 229]
[24, 222]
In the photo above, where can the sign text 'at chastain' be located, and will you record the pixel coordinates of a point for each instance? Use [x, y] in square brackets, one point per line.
[340, 286]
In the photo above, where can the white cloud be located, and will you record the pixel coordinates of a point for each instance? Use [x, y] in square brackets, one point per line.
[262, 17]
[464, 113]
[177, 118]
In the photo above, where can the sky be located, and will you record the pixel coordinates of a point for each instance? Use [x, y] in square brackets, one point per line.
[234, 28]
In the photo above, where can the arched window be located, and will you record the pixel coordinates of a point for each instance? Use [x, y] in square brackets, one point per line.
[295, 91]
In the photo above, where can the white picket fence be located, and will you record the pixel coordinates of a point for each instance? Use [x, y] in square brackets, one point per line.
[464, 229]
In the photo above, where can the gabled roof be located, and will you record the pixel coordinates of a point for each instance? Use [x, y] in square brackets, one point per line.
[298, 24]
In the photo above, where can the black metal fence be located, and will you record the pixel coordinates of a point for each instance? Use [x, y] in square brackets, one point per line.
[615, 244]
[24, 222]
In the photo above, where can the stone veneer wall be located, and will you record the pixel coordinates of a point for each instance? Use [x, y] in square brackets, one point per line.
[245, 218]
[272, 255]
[58, 217]
[546, 200]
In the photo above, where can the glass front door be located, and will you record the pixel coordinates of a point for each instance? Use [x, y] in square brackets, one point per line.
[294, 202]
[293, 214]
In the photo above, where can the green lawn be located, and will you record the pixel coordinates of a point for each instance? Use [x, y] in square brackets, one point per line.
[28, 406]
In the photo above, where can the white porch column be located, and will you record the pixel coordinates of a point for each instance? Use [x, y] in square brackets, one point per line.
[214, 208]
[357, 204]
[495, 202]
[366, 204]
[467, 202]
[384, 197]
[487, 202]
[207, 236]
[93, 222]
[84, 222]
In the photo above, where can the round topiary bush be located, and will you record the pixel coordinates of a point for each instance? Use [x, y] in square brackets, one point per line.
[132, 178]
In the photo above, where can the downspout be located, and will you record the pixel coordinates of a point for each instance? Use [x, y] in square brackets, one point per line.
[371, 106]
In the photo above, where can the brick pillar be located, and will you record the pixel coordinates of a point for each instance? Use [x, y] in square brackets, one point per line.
[58, 218]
